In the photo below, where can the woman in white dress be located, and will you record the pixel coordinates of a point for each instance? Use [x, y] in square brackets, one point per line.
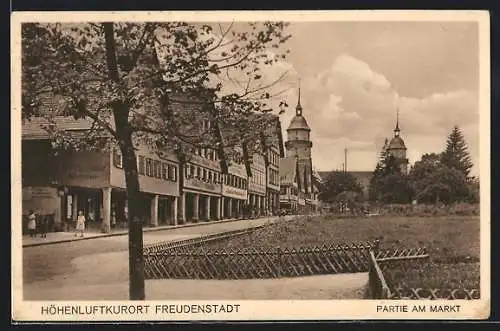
[80, 224]
[32, 223]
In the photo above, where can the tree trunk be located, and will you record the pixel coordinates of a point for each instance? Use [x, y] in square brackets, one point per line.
[124, 137]
[135, 222]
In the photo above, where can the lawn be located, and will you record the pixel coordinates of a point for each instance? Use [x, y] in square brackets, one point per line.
[452, 243]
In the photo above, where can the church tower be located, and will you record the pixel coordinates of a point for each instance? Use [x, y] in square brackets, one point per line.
[298, 142]
[299, 145]
[397, 148]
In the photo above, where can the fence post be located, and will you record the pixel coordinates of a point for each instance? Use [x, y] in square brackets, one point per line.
[279, 261]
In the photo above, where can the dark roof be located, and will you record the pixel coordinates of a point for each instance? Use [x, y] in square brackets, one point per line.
[396, 143]
[298, 123]
[34, 127]
[361, 176]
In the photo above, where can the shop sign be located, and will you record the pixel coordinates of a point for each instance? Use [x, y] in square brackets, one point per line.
[202, 185]
[234, 192]
[38, 192]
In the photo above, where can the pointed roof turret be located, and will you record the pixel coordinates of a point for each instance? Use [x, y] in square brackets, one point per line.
[298, 121]
[396, 130]
[397, 142]
[298, 108]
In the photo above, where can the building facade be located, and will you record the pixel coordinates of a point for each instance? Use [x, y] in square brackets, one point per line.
[257, 186]
[93, 182]
[62, 183]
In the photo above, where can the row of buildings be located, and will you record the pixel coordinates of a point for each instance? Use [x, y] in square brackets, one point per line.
[62, 183]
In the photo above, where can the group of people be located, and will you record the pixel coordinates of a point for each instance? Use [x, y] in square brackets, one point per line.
[41, 224]
[37, 223]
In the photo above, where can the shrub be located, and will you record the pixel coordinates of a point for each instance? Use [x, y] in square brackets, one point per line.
[425, 210]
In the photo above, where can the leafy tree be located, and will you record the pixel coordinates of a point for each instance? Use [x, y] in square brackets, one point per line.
[338, 182]
[444, 185]
[473, 190]
[422, 169]
[395, 188]
[456, 155]
[134, 81]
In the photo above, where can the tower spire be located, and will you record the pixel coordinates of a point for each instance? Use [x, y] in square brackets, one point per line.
[396, 130]
[299, 106]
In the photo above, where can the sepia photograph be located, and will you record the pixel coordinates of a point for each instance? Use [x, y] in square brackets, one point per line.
[250, 165]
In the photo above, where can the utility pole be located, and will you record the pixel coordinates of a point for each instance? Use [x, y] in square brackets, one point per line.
[345, 159]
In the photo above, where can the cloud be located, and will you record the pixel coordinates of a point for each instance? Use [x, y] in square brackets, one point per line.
[350, 105]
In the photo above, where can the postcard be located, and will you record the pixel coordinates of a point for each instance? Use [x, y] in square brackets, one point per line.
[250, 165]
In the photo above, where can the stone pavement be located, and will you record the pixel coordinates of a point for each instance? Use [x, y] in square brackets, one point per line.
[61, 237]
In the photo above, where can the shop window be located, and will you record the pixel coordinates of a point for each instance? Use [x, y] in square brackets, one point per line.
[117, 158]
[141, 165]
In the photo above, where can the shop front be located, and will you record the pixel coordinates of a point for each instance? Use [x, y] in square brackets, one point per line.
[202, 199]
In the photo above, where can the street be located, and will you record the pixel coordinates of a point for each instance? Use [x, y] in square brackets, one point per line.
[97, 261]
[97, 269]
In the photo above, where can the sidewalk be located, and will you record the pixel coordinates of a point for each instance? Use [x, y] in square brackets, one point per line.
[62, 237]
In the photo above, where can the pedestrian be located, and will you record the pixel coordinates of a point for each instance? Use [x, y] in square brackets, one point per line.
[43, 225]
[80, 224]
[32, 224]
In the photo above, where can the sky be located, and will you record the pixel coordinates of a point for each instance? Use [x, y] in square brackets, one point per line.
[355, 75]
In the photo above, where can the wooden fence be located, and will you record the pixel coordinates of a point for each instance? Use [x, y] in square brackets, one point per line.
[377, 286]
[380, 288]
[170, 246]
[433, 294]
[200, 263]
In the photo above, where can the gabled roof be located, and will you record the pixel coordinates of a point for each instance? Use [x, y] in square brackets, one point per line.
[34, 127]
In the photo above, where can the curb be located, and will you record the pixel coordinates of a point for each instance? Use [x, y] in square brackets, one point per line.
[122, 233]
